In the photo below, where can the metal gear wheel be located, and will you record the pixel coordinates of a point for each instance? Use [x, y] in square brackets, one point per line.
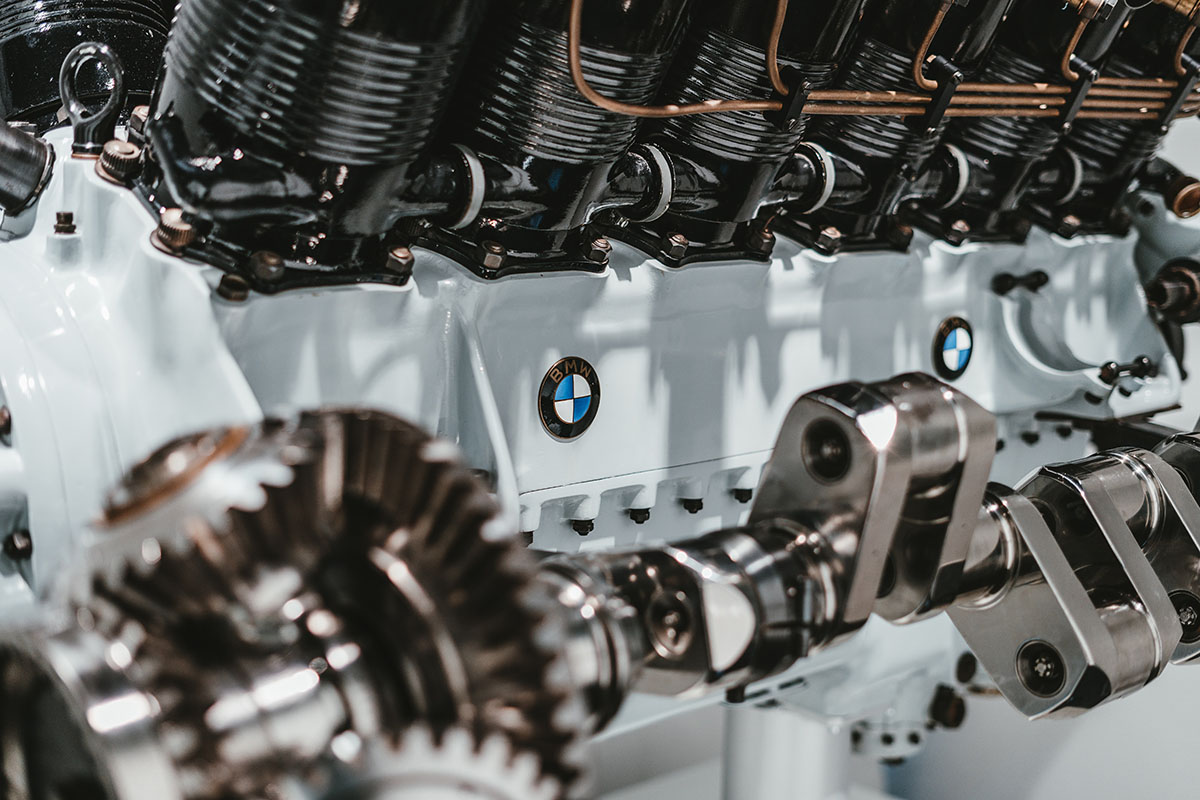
[265, 589]
[455, 766]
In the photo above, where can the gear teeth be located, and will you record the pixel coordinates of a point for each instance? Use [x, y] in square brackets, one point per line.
[190, 566]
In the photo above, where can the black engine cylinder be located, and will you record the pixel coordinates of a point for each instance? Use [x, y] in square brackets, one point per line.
[36, 35]
[293, 125]
[741, 152]
[550, 151]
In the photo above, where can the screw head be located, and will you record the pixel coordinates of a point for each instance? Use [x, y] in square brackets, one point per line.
[233, 288]
[266, 266]
[598, 250]
[583, 526]
[64, 222]
[675, 246]
[826, 451]
[400, 261]
[692, 505]
[1041, 669]
[18, 546]
[1187, 606]
[174, 233]
[639, 516]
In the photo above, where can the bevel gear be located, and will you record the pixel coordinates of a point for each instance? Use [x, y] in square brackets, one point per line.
[454, 765]
[267, 589]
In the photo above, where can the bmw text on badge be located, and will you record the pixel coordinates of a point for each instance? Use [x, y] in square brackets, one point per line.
[952, 347]
[569, 398]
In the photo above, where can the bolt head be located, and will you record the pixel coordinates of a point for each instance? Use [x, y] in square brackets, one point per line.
[18, 546]
[675, 246]
[400, 261]
[493, 255]
[119, 161]
[829, 239]
[64, 222]
[761, 241]
[138, 119]
[233, 288]
[267, 267]
[598, 250]
[1041, 669]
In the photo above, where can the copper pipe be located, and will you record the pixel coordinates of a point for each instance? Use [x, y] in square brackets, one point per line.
[773, 49]
[1133, 94]
[575, 61]
[997, 100]
[835, 110]
[1123, 104]
[1089, 114]
[1069, 73]
[1015, 88]
[1001, 112]
[1180, 69]
[1138, 83]
[867, 96]
[922, 53]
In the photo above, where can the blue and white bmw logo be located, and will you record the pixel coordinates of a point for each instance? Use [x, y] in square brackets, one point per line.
[952, 347]
[569, 398]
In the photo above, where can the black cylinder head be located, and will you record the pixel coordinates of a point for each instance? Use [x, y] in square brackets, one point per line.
[307, 115]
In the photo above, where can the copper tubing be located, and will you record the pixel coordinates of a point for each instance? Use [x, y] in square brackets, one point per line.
[922, 54]
[1015, 88]
[835, 110]
[1068, 72]
[1124, 104]
[867, 96]
[1133, 94]
[1138, 83]
[1180, 69]
[1018, 100]
[773, 49]
[575, 60]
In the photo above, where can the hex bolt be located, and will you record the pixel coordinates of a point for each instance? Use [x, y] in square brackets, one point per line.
[174, 233]
[1041, 669]
[1068, 226]
[267, 267]
[692, 505]
[583, 526]
[119, 161]
[829, 240]
[5, 421]
[1005, 282]
[493, 255]
[675, 246]
[760, 241]
[1140, 367]
[743, 496]
[138, 119]
[640, 516]
[18, 546]
[233, 288]
[400, 261]
[598, 250]
[1187, 606]
[959, 230]
[64, 222]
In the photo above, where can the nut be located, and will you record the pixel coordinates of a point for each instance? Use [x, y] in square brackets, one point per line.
[400, 261]
[494, 255]
[119, 161]
[174, 233]
[829, 239]
[675, 246]
[233, 288]
[598, 250]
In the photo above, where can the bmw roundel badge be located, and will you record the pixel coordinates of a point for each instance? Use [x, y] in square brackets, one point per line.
[952, 347]
[569, 398]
